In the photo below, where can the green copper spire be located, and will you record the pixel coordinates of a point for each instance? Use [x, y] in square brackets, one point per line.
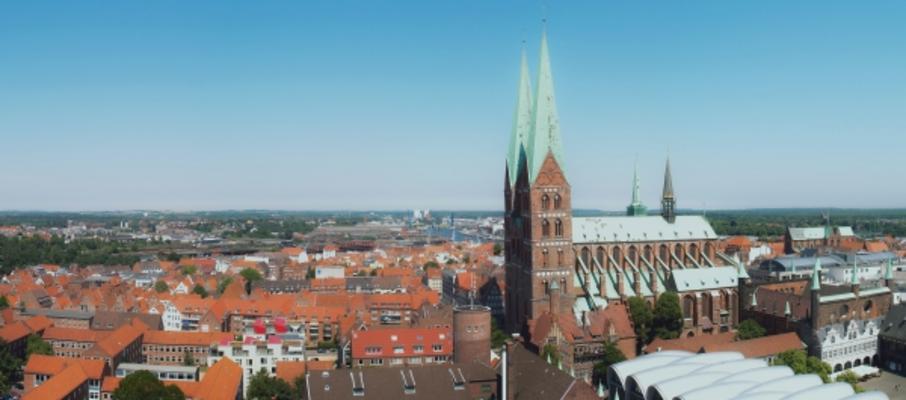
[816, 275]
[741, 272]
[545, 134]
[600, 390]
[636, 208]
[889, 274]
[786, 310]
[560, 365]
[522, 122]
[549, 359]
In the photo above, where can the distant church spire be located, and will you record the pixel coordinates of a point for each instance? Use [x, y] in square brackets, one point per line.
[636, 208]
[545, 132]
[522, 122]
[668, 201]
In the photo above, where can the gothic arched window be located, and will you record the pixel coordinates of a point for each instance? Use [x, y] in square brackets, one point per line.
[545, 228]
[557, 202]
[545, 258]
[558, 228]
[559, 257]
[601, 256]
[545, 202]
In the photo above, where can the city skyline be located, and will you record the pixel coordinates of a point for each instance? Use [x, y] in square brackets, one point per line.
[143, 107]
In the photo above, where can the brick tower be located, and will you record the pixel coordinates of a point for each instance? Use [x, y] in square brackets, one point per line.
[538, 246]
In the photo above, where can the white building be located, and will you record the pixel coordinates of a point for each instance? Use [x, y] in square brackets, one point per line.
[221, 266]
[254, 355]
[171, 317]
[850, 344]
[331, 271]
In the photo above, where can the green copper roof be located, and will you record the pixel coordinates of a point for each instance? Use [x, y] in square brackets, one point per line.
[545, 133]
[741, 272]
[816, 275]
[889, 273]
[636, 208]
[522, 122]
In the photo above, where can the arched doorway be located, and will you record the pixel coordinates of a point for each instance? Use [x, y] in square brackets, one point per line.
[707, 306]
[689, 309]
[866, 360]
[838, 368]
[857, 363]
[848, 365]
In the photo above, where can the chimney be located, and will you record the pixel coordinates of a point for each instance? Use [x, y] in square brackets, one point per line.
[508, 390]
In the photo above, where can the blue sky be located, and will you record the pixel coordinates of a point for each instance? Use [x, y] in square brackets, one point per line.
[394, 105]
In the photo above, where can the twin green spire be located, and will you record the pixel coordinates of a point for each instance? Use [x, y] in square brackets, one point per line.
[522, 123]
[636, 208]
[536, 129]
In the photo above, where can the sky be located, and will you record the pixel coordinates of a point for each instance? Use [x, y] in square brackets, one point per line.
[389, 105]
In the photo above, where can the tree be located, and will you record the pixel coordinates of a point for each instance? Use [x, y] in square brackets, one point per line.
[497, 249]
[801, 363]
[850, 378]
[4, 303]
[668, 317]
[550, 350]
[299, 386]
[36, 345]
[222, 285]
[200, 290]
[498, 337]
[749, 329]
[251, 275]
[612, 355]
[264, 387]
[642, 319]
[430, 264]
[161, 286]
[10, 368]
[189, 270]
[310, 273]
[188, 359]
[144, 385]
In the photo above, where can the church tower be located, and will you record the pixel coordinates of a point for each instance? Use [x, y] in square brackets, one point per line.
[668, 201]
[539, 256]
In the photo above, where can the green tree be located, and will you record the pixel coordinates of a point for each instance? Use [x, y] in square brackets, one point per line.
[222, 285]
[550, 350]
[801, 363]
[612, 355]
[10, 368]
[668, 317]
[200, 290]
[642, 320]
[749, 329]
[189, 270]
[251, 275]
[161, 286]
[299, 386]
[850, 378]
[144, 385]
[36, 345]
[430, 264]
[264, 387]
[4, 303]
[188, 359]
[497, 249]
[498, 337]
[310, 273]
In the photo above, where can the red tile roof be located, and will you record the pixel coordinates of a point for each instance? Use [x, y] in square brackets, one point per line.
[759, 347]
[15, 331]
[59, 386]
[73, 334]
[185, 338]
[221, 382]
[400, 342]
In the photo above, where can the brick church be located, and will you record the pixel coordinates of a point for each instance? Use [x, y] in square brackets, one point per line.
[567, 277]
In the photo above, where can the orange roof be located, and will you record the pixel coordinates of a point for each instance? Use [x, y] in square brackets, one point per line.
[110, 384]
[692, 344]
[381, 342]
[876, 246]
[739, 241]
[221, 382]
[59, 386]
[289, 370]
[73, 334]
[291, 251]
[759, 347]
[13, 332]
[184, 338]
[44, 365]
[320, 365]
[114, 343]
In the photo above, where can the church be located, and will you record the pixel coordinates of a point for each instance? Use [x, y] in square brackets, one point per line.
[567, 277]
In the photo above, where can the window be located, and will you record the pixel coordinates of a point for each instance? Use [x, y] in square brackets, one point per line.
[545, 228]
[398, 350]
[437, 348]
[418, 348]
[557, 202]
[545, 258]
[558, 228]
[545, 202]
